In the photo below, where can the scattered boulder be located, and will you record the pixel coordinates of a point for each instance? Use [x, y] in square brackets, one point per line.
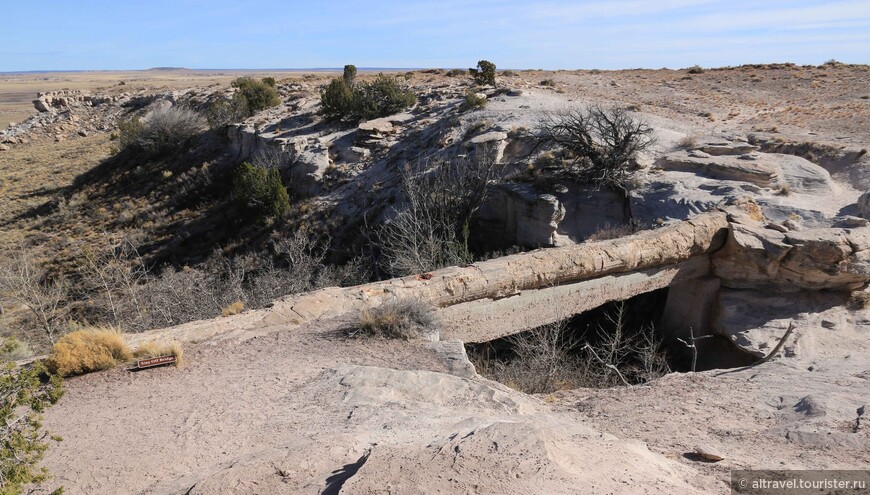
[51, 101]
[353, 154]
[864, 205]
[376, 128]
[760, 169]
[41, 105]
[720, 148]
[810, 407]
[306, 169]
[708, 454]
[721, 167]
[490, 145]
[802, 175]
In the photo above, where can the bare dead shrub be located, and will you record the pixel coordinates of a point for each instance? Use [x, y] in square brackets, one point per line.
[271, 157]
[167, 128]
[431, 229]
[25, 282]
[406, 319]
[552, 357]
[297, 264]
[542, 362]
[624, 356]
[602, 142]
[355, 271]
[112, 273]
[198, 293]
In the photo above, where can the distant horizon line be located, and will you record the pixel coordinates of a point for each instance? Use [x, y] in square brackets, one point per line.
[371, 69]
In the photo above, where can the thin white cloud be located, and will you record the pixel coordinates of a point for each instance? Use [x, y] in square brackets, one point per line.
[585, 11]
[778, 17]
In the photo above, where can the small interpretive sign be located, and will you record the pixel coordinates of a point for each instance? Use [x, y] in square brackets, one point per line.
[155, 361]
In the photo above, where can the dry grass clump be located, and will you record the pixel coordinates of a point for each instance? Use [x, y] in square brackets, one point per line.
[859, 300]
[397, 319]
[609, 231]
[688, 143]
[696, 69]
[88, 350]
[233, 309]
[13, 349]
[152, 349]
[474, 99]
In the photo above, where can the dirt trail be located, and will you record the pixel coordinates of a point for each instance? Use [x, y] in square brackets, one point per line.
[294, 412]
[306, 411]
[228, 401]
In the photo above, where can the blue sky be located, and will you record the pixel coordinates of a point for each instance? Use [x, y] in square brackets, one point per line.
[530, 34]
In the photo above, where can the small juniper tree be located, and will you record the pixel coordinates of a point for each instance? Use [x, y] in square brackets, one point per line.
[381, 97]
[24, 393]
[336, 100]
[260, 192]
[346, 99]
[484, 73]
[349, 75]
[259, 94]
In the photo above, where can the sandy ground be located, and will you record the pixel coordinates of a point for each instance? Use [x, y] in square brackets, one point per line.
[300, 411]
[306, 411]
[166, 423]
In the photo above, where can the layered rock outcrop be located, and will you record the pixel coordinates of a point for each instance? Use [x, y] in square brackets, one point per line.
[768, 170]
[303, 160]
[812, 259]
[53, 100]
[518, 214]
